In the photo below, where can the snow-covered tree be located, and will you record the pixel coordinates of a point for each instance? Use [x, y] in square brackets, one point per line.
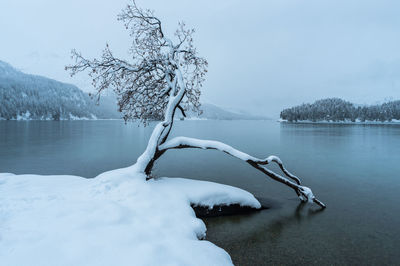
[335, 109]
[164, 76]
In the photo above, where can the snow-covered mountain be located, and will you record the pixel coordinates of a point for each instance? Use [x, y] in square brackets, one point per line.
[211, 111]
[24, 96]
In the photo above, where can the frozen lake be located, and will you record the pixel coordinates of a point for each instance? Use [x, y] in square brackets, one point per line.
[354, 169]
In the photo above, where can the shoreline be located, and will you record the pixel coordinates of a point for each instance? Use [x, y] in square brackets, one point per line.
[225, 210]
[396, 122]
[120, 119]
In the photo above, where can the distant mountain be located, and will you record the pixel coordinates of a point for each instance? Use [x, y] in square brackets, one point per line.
[25, 97]
[213, 112]
[30, 97]
[338, 110]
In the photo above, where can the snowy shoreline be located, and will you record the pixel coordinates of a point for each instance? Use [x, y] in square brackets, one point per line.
[117, 218]
[75, 119]
[117, 119]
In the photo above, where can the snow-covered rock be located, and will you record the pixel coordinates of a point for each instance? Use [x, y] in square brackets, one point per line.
[117, 218]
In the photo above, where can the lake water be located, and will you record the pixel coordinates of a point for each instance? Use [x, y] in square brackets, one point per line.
[354, 169]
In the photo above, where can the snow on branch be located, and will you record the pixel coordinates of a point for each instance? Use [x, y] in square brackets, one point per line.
[303, 192]
[146, 82]
[160, 77]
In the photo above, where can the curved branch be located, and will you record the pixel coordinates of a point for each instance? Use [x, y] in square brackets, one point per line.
[182, 110]
[303, 192]
[278, 161]
[185, 142]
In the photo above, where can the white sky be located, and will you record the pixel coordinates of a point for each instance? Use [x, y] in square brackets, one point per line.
[263, 55]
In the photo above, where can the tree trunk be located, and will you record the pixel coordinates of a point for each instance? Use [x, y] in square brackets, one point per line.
[161, 131]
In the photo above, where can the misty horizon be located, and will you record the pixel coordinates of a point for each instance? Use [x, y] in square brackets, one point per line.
[263, 56]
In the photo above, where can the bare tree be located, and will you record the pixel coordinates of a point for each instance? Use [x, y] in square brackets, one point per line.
[160, 78]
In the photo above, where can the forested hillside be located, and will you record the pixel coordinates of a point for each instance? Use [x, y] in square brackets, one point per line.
[24, 96]
[336, 110]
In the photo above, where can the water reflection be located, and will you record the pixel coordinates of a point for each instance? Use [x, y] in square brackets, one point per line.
[271, 229]
[303, 212]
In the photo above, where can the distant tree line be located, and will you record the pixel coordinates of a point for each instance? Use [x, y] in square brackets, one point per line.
[336, 110]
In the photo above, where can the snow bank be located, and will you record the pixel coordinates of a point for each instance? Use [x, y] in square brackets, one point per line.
[116, 218]
[217, 194]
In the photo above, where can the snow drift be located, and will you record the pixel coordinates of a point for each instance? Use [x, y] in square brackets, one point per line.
[117, 218]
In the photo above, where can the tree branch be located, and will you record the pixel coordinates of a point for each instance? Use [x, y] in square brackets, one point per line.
[303, 192]
[182, 110]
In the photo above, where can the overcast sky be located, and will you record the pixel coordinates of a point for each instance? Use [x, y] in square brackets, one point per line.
[263, 55]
